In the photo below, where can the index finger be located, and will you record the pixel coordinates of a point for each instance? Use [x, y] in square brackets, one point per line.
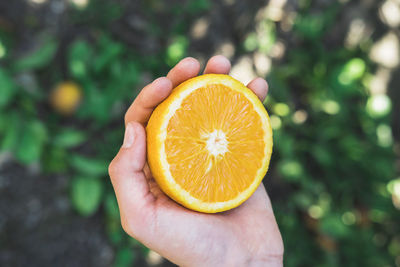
[154, 93]
[150, 96]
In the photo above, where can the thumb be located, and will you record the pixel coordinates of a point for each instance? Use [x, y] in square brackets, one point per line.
[132, 155]
[127, 176]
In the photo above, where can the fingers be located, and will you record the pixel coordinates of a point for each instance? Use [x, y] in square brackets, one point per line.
[218, 64]
[128, 179]
[150, 96]
[260, 87]
[187, 68]
[154, 93]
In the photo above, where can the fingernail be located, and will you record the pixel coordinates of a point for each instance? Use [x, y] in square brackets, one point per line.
[129, 137]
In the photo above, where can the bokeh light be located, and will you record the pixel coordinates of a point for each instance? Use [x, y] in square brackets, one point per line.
[379, 105]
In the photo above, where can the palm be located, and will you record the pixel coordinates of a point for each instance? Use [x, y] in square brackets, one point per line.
[234, 227]
[181, 235]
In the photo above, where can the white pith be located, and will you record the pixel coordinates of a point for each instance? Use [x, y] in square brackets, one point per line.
[216, 143]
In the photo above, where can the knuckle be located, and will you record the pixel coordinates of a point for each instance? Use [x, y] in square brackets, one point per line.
[126, 117]
[130, 112]
[136, 223]
[127, 228]
[112, 168]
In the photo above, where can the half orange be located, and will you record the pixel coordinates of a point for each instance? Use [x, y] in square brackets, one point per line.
[209, 143]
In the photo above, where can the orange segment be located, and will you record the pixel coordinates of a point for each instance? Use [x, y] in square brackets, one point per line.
[209, 143]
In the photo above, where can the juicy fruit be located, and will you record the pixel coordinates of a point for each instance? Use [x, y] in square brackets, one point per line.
[66, 97]
[209, 143]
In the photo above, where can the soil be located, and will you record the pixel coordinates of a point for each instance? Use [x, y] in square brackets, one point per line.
[38, 226]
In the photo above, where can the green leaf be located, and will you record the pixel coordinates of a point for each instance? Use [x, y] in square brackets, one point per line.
[111, 206]
[124, 257]
[292, 170]
[95, 105]
[86, 194]
[310, 26]
[333, 226]
[302, 199]
[31, 144]
[114, 230]
[196, 6]
[353, 70]
[7, 88]
[268, 38]
[69, 138]
[10, 139]
[3, 123]
[89, 166]
[79, 55]
[37, 59]
[55, 160]
[3, 49]
[176, 50]
[110, 51]
[321, 154]
[251, 42]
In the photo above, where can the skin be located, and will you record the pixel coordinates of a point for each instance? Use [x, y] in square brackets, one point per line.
[245, 236]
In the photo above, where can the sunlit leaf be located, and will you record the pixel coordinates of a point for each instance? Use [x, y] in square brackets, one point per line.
[176, 50]
[69, 138]
[10, 137]
[7, 88]
[291, 169]
[267, 36]
[3, 50]
[353, 70]
[32, 141]
[251, 42]
[78, 57]
[89, 166]
[86, 194]
[37, 58]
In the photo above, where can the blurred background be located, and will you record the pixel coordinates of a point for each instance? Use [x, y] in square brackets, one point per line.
[70, 68]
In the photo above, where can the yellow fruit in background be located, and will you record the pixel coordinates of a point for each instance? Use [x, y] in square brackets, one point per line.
[65, 98]
[209, 143]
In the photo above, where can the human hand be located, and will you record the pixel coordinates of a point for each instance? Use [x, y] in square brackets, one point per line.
[245, 236]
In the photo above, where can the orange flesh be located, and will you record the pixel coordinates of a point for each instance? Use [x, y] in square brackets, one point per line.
[215, 177]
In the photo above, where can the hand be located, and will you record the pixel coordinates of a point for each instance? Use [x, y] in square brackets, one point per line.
[245, 236]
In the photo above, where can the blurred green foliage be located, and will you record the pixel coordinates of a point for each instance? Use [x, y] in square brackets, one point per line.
[333, 158]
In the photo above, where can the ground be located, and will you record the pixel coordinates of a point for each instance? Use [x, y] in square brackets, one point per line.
[39, 227]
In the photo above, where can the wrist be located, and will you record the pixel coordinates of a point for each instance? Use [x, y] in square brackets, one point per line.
[242, 258]
[268, 260]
